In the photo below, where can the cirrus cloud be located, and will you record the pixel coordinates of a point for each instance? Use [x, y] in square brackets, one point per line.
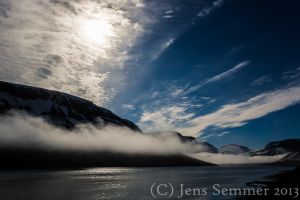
[70, 46]
[238, 114]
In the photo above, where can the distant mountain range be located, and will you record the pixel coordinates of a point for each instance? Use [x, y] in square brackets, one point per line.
[290, 148]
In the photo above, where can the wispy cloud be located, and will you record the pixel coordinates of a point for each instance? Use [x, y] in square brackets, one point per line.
[163, 47]
[205, 137]
[128, 106]
[169, 11]
[218, 77]
[154, 95]
[223, 133]
[291, 74]
[168, 16]
[209, 9]
[235, 115]
[166, 118]
[261, 81]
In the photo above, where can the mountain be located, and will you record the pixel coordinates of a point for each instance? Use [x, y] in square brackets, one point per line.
[200, 146]
[57, 108]
[234, 149]
[207, 147]
[290, 148]
[290, 159]
[64, 110]
[279, 147]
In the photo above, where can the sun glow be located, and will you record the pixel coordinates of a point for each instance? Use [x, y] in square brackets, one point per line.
[97, 31]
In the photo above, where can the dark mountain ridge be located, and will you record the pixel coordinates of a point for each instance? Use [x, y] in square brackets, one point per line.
[57, 108]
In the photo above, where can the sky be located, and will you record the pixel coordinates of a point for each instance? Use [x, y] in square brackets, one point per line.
[224, 71]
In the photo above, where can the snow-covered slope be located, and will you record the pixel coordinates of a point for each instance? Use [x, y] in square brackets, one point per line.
[234, 149]
[280, 147]
[56, 107]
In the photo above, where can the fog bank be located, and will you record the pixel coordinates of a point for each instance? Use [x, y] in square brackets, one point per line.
[235, 159]
[27, 132]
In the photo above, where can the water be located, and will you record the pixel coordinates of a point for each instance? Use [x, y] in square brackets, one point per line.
[124, 183]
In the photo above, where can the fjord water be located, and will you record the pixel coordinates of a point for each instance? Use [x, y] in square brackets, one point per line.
[123, 183]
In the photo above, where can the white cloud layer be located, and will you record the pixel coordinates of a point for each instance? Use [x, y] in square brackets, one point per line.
[68, 46]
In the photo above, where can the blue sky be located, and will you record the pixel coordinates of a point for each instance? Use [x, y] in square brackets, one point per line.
[240, 57]
[225, 71]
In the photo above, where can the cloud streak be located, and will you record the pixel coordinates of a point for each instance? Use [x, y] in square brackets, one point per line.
[236, 115]
[218, 77]
[261, 81]
[208, 10]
